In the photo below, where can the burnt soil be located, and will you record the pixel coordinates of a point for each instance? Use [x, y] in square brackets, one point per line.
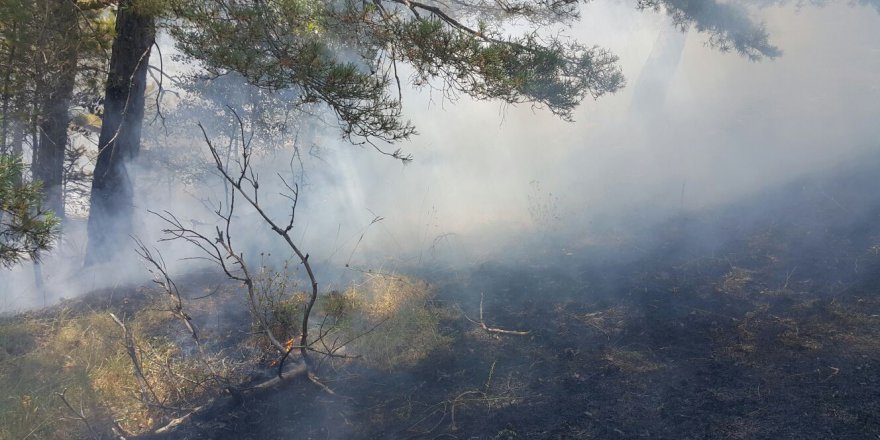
[759, 320]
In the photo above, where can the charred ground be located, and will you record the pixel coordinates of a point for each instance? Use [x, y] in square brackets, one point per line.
[756, 320]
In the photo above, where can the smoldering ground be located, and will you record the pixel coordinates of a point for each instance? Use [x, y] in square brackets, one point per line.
[739, 321]
[678, 243]
[620, 208]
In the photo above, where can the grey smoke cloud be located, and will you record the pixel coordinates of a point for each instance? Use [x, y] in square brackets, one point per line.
[722, 128]
[696, 128]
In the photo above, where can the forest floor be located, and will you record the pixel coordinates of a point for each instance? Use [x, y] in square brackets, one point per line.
[754, 321]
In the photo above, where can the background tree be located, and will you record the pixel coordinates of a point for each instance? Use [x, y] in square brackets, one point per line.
[110, 207]
[728, 25]
[54, 51]
[297, 45]
[25, 227]
[55, 77]
[343, 56]
[18, 40]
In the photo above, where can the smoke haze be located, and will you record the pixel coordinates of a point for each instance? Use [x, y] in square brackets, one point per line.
[694, 129]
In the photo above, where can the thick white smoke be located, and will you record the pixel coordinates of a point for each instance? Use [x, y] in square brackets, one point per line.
[695, 128]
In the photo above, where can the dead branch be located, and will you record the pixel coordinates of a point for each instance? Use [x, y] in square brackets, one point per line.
[147, 394]
[219, 247]
[245, 184]
[238, 174]
[488, 329]
[455, 402]
[314, 379]
[234, 394]
[160, 276]
[79, 415]
[220, 250]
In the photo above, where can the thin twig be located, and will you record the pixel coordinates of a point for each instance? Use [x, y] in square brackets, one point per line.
[147, 394]
[79, 415]
[485, 327]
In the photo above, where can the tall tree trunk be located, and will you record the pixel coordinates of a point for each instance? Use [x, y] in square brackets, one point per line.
[110, 211]
[7, 97]
[55, 101]
[17, 146]
[650, 90]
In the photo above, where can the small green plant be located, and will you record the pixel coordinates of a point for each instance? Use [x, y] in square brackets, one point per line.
[278, 302]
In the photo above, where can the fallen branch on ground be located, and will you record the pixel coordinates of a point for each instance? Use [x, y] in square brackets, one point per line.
[488, 329]
[228, 399]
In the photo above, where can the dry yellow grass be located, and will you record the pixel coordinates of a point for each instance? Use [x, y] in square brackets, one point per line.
[630, 361]
[84, 357]
[389, 320]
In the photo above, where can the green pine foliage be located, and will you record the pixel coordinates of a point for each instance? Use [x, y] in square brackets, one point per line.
[345, 54]
[25, 228]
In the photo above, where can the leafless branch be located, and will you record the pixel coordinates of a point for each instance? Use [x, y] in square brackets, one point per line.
[220, 250]
[147, 394]
[224, 400]
[250, 195]
[160, 276]
[79, 415]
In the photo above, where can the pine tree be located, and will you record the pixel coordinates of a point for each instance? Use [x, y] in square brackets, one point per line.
[26, 228]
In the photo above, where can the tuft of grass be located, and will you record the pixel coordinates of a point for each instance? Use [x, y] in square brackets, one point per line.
[83, 356]
[81, 352]
[280, 305]
[64, 352]
[340, 306]
[736, 283]
[630, 361]
[389, 321]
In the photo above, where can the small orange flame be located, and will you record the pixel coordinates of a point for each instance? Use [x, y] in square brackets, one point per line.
[288, 345]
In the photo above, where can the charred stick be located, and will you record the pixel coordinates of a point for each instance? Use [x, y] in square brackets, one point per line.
[485, 327]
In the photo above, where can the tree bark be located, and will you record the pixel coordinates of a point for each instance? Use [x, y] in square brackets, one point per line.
[4, 129]
[57, 91]
[111, 206]
[16, 147]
